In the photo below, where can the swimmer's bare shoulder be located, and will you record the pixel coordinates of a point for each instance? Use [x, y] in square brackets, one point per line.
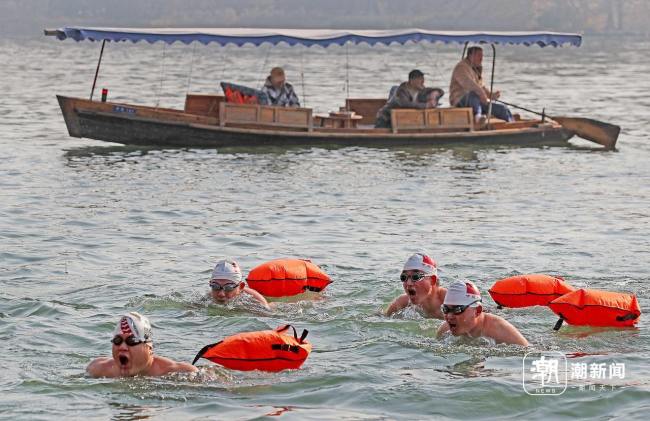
[259, 297]
[163, 365]
[502, 331]
[102, 367]
[444, 328]
[400, 302]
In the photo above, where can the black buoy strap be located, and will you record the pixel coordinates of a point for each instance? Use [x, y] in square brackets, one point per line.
[285, 327]
[203, 351]
[282, 328]
[628, 316]
[305, 332]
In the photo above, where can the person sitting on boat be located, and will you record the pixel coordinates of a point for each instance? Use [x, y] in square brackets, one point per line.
[464, 316]
[226, 284]
[467, 89]
[430, 97]
[133, 352]
[405, 96]
[279, 91]
[421, 286]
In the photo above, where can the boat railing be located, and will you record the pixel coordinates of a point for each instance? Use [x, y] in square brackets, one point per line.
[432, 119]
[265, 117]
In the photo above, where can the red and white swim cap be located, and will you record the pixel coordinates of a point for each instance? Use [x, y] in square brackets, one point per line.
[227, 269]
[135, 324]
[463, 293]
[423, 263]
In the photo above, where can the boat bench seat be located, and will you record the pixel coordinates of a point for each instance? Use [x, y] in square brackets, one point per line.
[265, 117]
[203, 104]
[447, 119]
[365, 107]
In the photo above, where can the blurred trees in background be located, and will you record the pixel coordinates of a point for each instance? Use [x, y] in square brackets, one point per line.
[29, 17]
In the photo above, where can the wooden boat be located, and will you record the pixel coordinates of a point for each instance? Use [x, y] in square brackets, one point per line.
[139, 125]
[211, 121]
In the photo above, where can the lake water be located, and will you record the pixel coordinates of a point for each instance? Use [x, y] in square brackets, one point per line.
[91, 229]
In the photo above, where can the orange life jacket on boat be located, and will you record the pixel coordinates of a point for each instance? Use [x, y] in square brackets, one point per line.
[528, 290]
[237, 97]
[285, 277]
[266, 350]
[592, 307]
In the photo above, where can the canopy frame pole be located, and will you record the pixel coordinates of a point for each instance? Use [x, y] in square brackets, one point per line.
[263, 68]
[302, 76]
[464, 50]
[189, 77]
[99, 62]
[494, 59]
[347, 75]
[162, 74]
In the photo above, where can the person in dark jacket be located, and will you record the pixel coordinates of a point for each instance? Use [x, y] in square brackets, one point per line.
[406, 96]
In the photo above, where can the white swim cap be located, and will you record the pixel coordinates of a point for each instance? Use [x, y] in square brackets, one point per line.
[135, 324]
[423, 263]
[463, 293]
[227, 269]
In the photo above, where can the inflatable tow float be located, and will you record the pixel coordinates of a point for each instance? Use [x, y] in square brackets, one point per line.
[590, 307]
[266, 350]
[528, 290]
[286, 277]
[581, 307]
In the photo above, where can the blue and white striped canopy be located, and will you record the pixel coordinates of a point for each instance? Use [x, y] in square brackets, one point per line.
[309, 37]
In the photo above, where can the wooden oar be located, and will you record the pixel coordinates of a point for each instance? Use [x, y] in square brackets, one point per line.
[596, 131]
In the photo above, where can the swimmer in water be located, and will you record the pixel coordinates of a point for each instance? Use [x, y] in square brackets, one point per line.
[464, 316]
[421, 286]
[226, 284]
[133, 353]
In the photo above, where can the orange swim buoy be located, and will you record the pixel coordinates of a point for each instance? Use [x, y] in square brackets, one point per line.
[266, 350]
[592, 307]
[528, 290]
[285, 277]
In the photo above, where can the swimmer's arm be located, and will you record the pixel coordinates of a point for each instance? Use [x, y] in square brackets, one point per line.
[400, 302]
[259, 297]
[183, 368]
[505, 332]
[163, 365]
[444, 328]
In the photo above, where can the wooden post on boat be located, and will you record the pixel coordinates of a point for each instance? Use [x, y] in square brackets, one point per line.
[347, 75]
[494, 58]
[99, 62]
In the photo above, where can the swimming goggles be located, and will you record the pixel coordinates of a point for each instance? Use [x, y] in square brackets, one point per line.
[130, 341]
[418, 276]
[457, 309]
[231, 286]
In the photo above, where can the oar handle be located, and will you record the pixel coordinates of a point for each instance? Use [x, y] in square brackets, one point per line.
[520, 108]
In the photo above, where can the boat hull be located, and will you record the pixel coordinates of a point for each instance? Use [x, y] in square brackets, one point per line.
[138, 125]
